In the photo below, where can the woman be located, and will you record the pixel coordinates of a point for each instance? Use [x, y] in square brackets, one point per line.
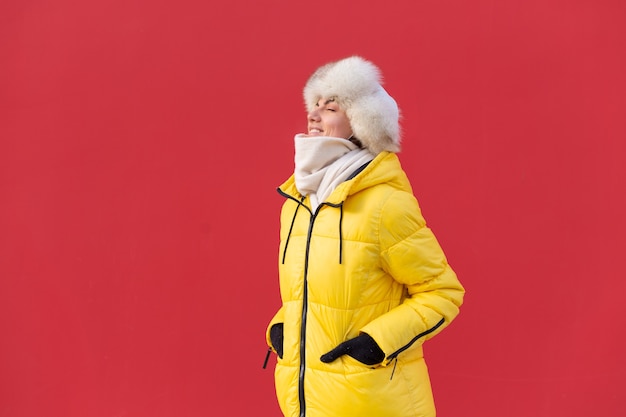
[363, 280]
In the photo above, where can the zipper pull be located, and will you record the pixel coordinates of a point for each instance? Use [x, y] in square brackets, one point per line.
[267, 357]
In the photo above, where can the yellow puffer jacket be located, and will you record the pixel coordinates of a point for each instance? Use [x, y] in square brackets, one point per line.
[365, 261]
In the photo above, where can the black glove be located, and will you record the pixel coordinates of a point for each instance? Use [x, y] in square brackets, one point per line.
[362, 348]
[276, 337]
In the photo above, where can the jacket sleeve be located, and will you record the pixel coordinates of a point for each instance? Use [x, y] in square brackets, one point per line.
[411, 254]
[278, 318]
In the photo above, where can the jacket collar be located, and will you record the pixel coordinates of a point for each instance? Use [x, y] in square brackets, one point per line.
[385, 168]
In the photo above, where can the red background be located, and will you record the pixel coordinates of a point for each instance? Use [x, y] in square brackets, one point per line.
[141, 143]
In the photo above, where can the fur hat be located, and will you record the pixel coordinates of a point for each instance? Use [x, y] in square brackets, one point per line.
[355, 84]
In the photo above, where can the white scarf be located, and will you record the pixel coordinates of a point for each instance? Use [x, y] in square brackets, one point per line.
[323, 162]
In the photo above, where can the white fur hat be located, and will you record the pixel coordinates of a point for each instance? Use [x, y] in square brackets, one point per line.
[355, 84]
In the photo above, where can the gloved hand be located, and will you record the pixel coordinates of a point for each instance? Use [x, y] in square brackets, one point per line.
[276, 337]
[363, 348]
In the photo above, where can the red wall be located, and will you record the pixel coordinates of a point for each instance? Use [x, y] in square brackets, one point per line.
[141, 143]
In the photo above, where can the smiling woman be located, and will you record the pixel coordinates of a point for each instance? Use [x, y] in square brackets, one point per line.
[328, 119]
[140, 144]
[363, 280]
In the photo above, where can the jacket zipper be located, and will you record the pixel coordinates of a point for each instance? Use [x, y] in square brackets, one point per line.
[305, 304]
[305, 292]
[395, 354]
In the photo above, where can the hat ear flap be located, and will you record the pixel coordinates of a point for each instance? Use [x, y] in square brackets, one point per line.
[374, 121]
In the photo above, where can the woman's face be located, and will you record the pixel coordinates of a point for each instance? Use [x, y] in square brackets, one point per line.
[328, 119]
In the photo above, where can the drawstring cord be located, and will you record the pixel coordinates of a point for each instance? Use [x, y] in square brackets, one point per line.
[267, 357]
[301, 203]
[340, 207]
[393, 371]
[293, 221]
[340, 232]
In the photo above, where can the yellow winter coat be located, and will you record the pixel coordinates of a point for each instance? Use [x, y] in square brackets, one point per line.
[365, 261]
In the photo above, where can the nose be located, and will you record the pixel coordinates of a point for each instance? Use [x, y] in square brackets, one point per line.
[314, 115]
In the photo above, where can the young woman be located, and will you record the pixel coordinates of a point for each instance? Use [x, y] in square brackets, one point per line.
[363, 281]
